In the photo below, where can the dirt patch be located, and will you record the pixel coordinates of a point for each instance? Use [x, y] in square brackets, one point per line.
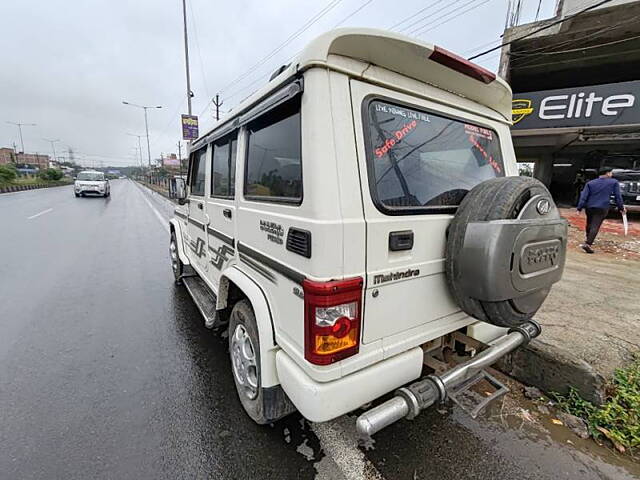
[594, 311]
[611, 240]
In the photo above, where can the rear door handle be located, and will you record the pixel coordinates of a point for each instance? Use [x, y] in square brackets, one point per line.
[200, 206]
[401, 240]
[227, 212]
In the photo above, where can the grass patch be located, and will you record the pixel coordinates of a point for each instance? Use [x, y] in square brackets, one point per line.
[618, 419]
[35, 181]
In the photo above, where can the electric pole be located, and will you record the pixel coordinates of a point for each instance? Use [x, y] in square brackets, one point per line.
[70, 154]
[180, 156]
[53, 147]
[186, 54]
[217, 103]
[20, 125]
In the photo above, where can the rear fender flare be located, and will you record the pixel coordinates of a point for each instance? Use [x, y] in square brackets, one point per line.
[175, 227]
[262, 311]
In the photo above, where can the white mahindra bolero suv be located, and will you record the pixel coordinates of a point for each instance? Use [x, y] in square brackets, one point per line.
[357, 218]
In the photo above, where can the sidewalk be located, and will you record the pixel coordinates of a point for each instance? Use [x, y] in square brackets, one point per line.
[591, 319]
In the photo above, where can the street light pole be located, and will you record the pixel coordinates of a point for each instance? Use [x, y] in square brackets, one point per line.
[146, 124]
[53, 147]
[20, 125]
[146, 127]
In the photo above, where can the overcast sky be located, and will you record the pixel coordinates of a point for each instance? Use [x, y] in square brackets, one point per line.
[67, 65]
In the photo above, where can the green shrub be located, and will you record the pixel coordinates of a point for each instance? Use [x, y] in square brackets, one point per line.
[618, 418]
[7, 173]
[50, 174]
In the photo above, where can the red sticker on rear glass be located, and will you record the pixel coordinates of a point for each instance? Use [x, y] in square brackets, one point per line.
[397, 136]
[478, 131]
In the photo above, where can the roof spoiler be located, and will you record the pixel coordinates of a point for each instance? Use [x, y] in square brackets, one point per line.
[415, 59]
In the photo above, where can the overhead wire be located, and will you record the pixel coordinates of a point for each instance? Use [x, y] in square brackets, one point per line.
[352, 13]
[527, 57]
[429, 18]
[393, 27]
[578, 7]
[241, 90]
[197, 42]
[282, 45]
[572, 60]
[549, 25]
[472, 7]
[589, 47]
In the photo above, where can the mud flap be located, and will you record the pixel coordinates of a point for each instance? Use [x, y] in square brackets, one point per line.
[473, 396]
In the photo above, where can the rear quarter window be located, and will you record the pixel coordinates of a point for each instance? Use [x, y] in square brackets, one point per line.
[419, 161]
[274, 160]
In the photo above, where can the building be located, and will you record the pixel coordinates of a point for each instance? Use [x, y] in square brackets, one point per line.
[8, 155]
[171, 160]
[576, 84]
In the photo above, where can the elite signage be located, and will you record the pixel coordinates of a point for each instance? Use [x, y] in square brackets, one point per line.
[596, 105]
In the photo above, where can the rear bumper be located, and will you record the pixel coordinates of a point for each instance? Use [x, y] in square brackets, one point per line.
[320, 402]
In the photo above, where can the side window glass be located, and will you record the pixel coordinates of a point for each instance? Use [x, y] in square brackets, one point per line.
[198, 166]
[220, 180]
[224, 166]
[274, 165]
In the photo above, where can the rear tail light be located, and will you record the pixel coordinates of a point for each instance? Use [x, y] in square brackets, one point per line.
[462, 65]
[332, 313]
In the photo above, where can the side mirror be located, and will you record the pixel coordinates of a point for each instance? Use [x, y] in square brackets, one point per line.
[181, 191]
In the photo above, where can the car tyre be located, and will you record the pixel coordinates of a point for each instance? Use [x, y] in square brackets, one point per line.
[263, 405]
[497, 199]
[176, 264]
[77, 195]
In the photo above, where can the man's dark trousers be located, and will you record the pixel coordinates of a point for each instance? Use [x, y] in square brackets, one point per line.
[595, 217]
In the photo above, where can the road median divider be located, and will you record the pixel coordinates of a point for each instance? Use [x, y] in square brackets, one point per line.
[35, 186]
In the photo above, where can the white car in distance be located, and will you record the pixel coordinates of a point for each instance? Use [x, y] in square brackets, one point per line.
[91, 182]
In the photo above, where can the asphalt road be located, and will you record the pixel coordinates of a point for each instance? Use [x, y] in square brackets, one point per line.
[106, 371]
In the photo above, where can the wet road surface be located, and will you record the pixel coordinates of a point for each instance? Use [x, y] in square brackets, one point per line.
[106, 371]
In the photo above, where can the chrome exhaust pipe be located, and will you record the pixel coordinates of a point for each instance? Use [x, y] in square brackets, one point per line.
[410, 401]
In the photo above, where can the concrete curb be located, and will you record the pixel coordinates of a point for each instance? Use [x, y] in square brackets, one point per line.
[552, 369]
[20, 188]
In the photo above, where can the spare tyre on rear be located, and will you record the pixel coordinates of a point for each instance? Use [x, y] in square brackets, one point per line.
[505, 247]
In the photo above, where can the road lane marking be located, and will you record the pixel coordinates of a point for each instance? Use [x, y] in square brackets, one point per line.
[339, 441]
[41, 213]
[163, 221]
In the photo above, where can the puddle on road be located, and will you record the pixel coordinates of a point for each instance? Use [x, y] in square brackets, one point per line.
[514, 428]
[525, 427]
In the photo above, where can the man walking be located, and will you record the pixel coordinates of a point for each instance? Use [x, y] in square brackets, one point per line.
[595, 200]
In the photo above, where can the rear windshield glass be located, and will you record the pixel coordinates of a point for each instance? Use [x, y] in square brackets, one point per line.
[422, 161]
[91, 176]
